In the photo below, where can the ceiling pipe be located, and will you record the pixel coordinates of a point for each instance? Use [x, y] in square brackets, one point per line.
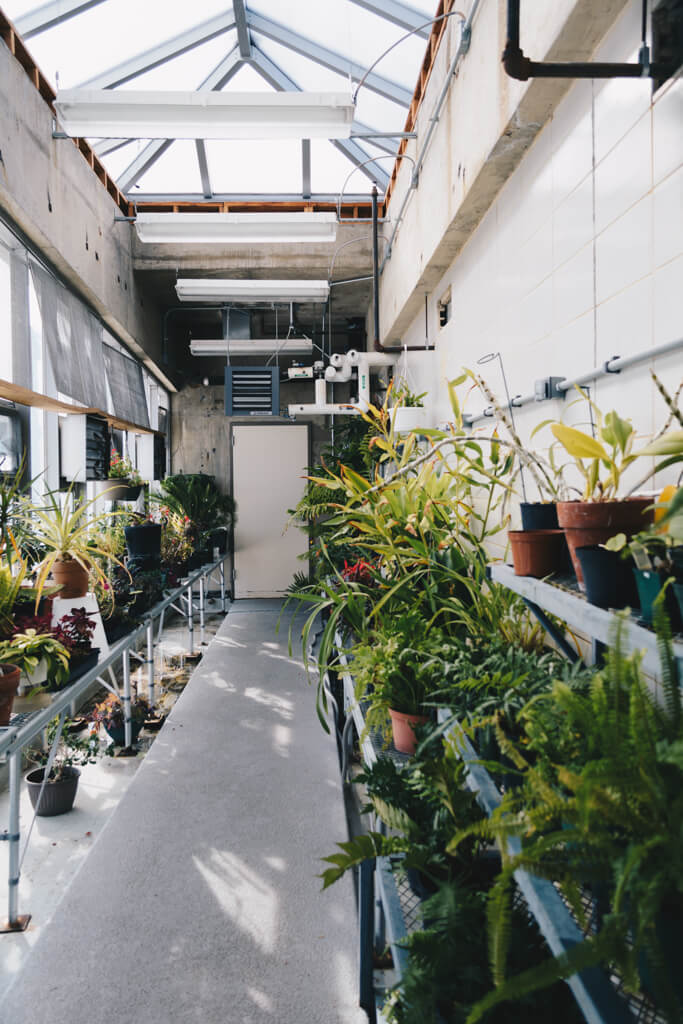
[518, 65]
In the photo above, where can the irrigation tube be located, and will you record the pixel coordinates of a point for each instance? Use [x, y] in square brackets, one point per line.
[612, 366]
[14, 738]
[463, 47]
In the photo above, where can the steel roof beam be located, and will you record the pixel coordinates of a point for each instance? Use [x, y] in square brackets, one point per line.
[203, 168]
[105, 146]
[40, 19]
[280, 80]
[241, 23]
[306, 168]
[214, 82]
[385, 144]
[328, 58]
[399, 14]
[162, 53]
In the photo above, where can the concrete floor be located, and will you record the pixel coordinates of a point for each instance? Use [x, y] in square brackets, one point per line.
[199, 900]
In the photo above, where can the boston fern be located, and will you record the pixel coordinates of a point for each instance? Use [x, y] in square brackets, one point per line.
[602, 805]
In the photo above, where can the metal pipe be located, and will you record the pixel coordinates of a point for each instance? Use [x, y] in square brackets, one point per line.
[201, 610]
[14, 834]
[128, 724]
[190, 617]
[150, 663]
[375, 268]
[221, 570]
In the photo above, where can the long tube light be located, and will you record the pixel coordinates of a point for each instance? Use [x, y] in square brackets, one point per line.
[109, 113]
[236, 228]
[210, 289]
[251, 346]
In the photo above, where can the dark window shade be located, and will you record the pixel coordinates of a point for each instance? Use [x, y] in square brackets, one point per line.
[74, 341]
[127, 387]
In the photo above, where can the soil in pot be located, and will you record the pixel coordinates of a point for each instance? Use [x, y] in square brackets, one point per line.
[10, 676]
[537, 552]
[539, 515]
[58, 796]
[71, 576]
[608, 578]
[587, 523]
[402, 730]
[650, 583]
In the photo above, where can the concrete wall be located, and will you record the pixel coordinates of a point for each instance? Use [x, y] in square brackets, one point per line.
[578, 258]
[52, 195]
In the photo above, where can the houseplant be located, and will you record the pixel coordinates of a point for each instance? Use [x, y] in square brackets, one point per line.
[196, 500]
[109, 713]
[66, 532]
[39, 656]
[56, 795]
[10, 674]
[602, 461]
[124, 483]
[407, 409]
[75, 631]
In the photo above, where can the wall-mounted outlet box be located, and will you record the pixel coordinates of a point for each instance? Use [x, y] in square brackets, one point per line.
[300, 372]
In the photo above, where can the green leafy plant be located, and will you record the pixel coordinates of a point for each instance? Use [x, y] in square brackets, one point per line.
[10, 587]
[73, 750]
[29, 648]
[195, 499]
[121, 468]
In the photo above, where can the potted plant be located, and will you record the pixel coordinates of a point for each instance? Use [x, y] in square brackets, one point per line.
[75, 632]
[56, 795]
[109, 713]
[195, 499]
[602, 461]
[124, 483]
[408, 413]
[10, 674]
[39, 656]
[65, 531]
[143, 542]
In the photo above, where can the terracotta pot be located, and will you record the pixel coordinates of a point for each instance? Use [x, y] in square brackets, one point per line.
[586, 523]
[402, 730]
[9, 686]
[537, 552]
[72, 577]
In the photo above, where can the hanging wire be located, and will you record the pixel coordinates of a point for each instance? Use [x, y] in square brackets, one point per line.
[370, 160]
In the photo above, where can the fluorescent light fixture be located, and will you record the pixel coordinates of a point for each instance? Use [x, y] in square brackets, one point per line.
[211, 289]
[236, 228]
[117, 114]
[251, 346]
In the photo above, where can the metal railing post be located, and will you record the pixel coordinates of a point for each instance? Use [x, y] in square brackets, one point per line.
[190, 617]
[221, 570]
[15, 921]
[128, 725]
[201, 609]
[150, 663]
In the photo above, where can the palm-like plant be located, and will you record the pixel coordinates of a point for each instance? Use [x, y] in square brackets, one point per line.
[67, 532]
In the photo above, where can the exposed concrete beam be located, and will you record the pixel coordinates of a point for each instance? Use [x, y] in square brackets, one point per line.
[203, 168]
[48, 15]
[241, 23]
[280, 80]
[306, 168]
[400, 14]
[328, 58]
[162, 53]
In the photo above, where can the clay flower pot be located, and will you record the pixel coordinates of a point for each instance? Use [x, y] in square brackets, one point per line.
[587, 523]
[537, 552]
[71, 576]
[9, 687]
[402, 730]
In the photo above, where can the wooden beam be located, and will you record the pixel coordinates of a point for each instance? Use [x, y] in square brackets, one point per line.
[33, 399]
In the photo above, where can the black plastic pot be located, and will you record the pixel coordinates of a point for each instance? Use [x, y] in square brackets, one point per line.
[608, 577]
[117, 733]
[83, 665]
[650, 583]
[58, 796]
[219, 539]
[144, 541]
[539, 515]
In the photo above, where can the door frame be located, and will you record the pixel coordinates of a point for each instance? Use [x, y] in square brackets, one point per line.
[259, 421]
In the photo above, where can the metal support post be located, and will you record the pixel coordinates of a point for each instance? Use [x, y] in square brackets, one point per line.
[202, 582]
[128, 725]
[15, 922]
[150, 663]
[221, 570]
[366, 930]
[190, 618]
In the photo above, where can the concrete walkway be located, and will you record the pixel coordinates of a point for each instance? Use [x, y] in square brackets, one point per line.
[199, 902]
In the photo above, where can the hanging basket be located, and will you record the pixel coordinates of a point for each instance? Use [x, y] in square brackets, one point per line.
[410, 419]
[117, 490]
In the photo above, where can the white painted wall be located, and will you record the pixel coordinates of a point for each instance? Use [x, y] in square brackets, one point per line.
[579, 258]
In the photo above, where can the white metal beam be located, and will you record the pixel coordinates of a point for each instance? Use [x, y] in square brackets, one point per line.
[162, 53]
[214, 82]
[280, 80]
[241, 23]
[306, 168]
[399, 14]
[48, 15]
[203, 168]
[105, 146]
[328, 58]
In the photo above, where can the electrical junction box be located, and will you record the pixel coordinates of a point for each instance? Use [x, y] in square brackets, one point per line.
[547, 388]
[300, 372]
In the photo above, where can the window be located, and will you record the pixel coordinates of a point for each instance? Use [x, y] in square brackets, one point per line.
[667, 38]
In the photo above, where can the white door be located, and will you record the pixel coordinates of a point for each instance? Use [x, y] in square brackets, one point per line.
[269, 464]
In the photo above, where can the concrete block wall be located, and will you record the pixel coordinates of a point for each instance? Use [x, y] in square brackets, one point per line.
[579, 257]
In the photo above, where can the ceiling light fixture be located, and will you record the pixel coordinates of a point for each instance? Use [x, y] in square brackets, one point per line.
[109, 113]
[251, 346]
[211, 289]
[236, 228]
